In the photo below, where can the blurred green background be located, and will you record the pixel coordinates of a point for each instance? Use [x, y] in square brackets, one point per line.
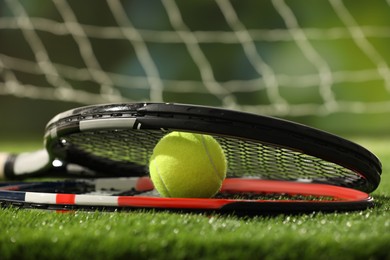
[321, 63]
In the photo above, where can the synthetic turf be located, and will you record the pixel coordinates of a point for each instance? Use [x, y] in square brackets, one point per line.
[150, 235]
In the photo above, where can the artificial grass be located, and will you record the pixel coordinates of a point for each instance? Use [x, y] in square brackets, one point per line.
[32, 234]
[148, 235]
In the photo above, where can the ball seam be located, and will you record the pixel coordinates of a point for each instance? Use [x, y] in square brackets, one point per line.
[161, 179]
[210, 158]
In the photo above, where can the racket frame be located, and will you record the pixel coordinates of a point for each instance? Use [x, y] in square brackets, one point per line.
[345, 199]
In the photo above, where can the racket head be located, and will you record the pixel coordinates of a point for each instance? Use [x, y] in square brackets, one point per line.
[238, 196]
[118, 140]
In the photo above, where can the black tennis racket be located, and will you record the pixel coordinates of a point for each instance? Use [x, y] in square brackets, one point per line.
[240, 196]
[297, 165]
[118, 139]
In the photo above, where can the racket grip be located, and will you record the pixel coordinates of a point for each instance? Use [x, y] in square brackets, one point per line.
[17, 166]
[3, 161]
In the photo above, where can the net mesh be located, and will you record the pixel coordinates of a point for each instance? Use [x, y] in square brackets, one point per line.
[279, 57]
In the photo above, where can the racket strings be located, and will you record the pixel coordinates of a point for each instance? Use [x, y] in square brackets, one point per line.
[245, 158]
[272, 162]
[272, 197]
[116, 145]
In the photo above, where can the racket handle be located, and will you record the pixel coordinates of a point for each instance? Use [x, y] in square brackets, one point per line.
[3, 160]
[39, 163]
[16, 166]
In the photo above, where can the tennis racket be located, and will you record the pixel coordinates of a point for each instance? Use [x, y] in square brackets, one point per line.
[118, 139]
[241, 196]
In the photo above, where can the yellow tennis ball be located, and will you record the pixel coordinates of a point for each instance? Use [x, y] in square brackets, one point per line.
[186, 165]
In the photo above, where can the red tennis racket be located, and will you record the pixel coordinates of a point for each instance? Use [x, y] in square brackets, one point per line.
[237, 196]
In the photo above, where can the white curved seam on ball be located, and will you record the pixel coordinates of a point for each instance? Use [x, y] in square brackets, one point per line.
[162, 180]
[210, 158]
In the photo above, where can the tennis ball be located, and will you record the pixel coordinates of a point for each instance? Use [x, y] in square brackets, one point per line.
[187, 165]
